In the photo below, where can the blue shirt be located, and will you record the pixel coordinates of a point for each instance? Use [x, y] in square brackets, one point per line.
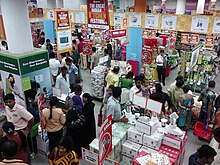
[73, 71]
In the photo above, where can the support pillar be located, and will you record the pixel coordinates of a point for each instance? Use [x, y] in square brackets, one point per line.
[181, 7]
[17, 26]
[200, 7]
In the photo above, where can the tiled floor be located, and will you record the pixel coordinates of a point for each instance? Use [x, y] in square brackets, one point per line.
[192, 143]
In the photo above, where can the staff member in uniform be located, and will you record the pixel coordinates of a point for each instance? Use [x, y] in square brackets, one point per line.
[161, 66]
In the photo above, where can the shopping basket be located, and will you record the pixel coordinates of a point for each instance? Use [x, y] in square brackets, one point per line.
[201, 131]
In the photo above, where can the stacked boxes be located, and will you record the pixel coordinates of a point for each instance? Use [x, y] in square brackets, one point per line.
[97, 81]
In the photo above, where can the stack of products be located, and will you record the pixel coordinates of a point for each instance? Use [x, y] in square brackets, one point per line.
[151, 138]
[97, 81]
[119, 133]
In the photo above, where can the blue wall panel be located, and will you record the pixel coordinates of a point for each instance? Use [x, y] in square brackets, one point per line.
[49, 29]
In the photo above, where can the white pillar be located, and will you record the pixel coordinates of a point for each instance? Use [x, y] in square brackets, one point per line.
[180, 6]
[200, 7]
[42, 4]
[59, 4]
[17, 26]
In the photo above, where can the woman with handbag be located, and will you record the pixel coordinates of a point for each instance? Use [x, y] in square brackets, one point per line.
[75, 122]
[64, 153]
[54, 121]
[89, 129]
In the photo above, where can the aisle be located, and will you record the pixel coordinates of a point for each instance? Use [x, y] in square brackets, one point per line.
[192, 143]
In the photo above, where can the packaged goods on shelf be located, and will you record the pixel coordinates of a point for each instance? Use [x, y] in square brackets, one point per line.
[154, 141]
[130, 149]
[126, 160]
[147, 149]
[147, 128]
[121, 134]
[135, 136]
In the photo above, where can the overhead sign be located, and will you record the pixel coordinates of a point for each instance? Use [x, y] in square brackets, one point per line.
[108, 34]
[62, 19]
[146, 54]
[105, 139]
[87, 48]
[173, 35]
[199, 24]
[209, 41]
[194, 40]
[98, 16]
[185, 38]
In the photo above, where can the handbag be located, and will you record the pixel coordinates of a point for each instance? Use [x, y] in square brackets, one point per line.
[78, 121]
[100, 119]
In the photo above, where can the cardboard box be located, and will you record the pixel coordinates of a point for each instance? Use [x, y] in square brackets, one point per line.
[147, 128]
[135, 136]
[122, 135]
[154, 141]
[169, 151]
[173, 141]
[130, 149]
[147, 150]
[126, 160]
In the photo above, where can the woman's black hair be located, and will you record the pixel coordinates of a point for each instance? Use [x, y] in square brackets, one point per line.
[88, 96]
[12, 82]
[53, 102]
[129, 75]
[67, 143]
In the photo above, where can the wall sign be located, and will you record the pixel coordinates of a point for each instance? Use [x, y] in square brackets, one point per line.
[118, 19]
[87, 47]
[194, 40]
[62, 19]
[98, 16]
[169, 22]
[199, 24]
[135, 20]
[209, 41]
[80, 17]
[185, 38]
[216, 26]
[151, 21]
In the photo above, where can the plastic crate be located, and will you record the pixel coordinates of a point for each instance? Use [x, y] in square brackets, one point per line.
[201, 131]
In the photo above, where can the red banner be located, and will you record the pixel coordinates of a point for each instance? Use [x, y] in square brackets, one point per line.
[62, 19]
[209, 41]
[194, 39]
[173, 36]
[98, 16]
[185, 38]
[87, 47]
[146, 54]
[105, 139]
[108, 34]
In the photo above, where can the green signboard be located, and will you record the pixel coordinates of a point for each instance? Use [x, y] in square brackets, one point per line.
[9, 64]
[34, 62]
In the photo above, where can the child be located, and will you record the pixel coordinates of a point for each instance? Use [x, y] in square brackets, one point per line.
[204, 155]
[145, 88]
[107, 96]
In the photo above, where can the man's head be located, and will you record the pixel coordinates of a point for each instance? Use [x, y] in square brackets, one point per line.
[158, 87]
[68, 61]
[162, 52]
[116, 69]
[116, 92]
[138, 81]
[216, 134]
[110, 89]
[47, 41]
[179, 78]
[211, 84]
[94, 49]
[186, 88]
[10, 100]
[74, 41]
[9, 149]
[4, 43]
[52, 55]
[64, 70]
[80, 39]
[179, 83]
[8, 128]
[206, 154]
[77, 90]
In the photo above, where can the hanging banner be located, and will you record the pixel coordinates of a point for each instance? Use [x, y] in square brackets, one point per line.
[173, 35]
[209, 41]
[50, 14]
[106, 35]
[118, 19]
[148, 33]
[119, 33]
[80, 17]
[64, 41]
[151, 21]
[199, 24]
[146, 54]
[169, 22]
[185, 38]
[87, 47]
[62, 19]
[72, 17]
[216, 26]
[98, 16]
[105, 139]
[135, 20]
[194, 40]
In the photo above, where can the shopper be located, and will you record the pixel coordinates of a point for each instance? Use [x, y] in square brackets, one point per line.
[127, 82]
[161, 97]
[17, 114]
[112, 77]
[204, 155]
[207, 97]
[114, 107]
[95, 58]
[9, 153]
[20, 137]
[136, 89]
[161, 66]
[109, 47]
[215, 143]
[49, 47]
[186, 102]
[64, 57]
[108, 94]
[62, 81]
[216, 119]
[89, 129]
[109, 57]
[76, 57]
[64, 153]
[173, 85]
[75, 122]
[145, 88]
[176, 93]
[80, 45]
[73, 72]
[10, 85]
[75, 46]
[2, 120]
[4, 46]
[54, 121]
[54, 66]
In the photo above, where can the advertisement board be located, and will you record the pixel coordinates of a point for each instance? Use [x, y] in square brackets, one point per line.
[62, 19]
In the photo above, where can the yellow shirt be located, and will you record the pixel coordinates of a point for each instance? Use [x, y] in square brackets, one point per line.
[112, 79]
[58, 119]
